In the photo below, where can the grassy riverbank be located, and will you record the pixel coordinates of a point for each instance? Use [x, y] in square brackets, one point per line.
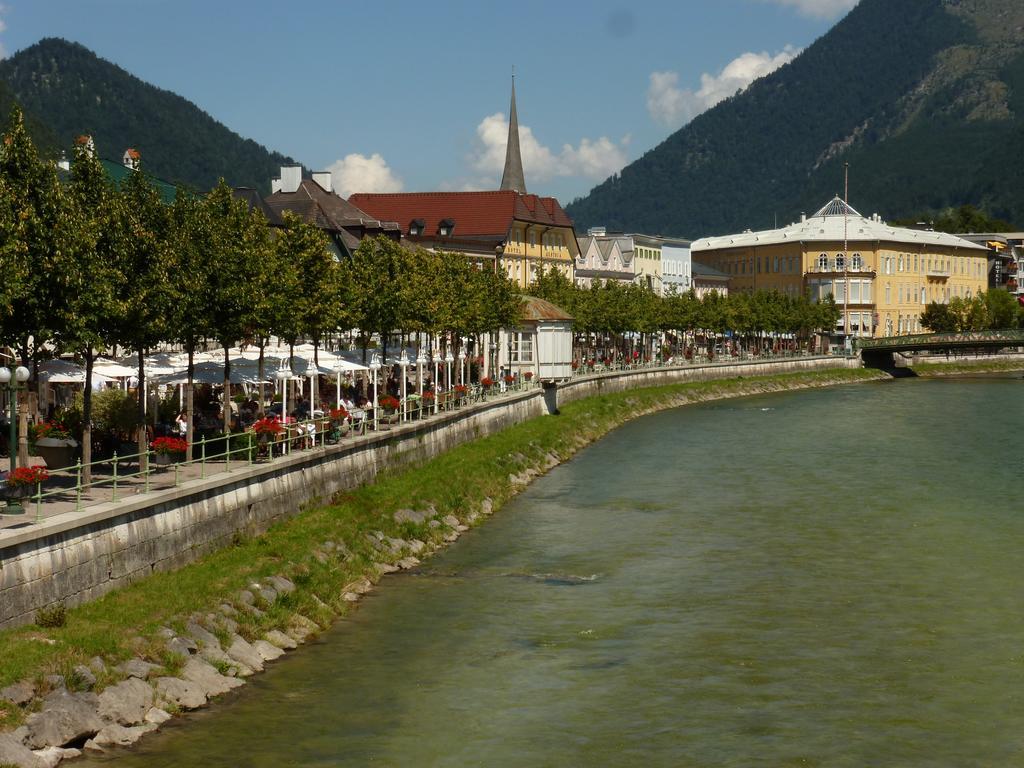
[327, 549]
[957, 367]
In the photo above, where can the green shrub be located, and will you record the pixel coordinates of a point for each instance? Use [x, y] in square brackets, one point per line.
[52, 616]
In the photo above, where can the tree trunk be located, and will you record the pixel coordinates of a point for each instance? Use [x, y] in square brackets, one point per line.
[190, 430]
[87, 419]
[261, 410]
[227, 391]
[140, 419]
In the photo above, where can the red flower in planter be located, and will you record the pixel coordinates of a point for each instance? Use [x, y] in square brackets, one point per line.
[529, 374]
[168, 445]
[27, 476]
[486, 382]
[461, 389]
[389, 403]
[428, 396]
[268, 425]
[510, 379]
[338, 414]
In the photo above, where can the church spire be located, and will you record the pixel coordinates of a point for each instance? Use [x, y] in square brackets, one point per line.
[512, 177]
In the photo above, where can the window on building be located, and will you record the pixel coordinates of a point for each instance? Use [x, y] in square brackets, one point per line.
[840, 262]
[857, 263]
[823, 262]
[924, 296]
[888, 294]
[899, 263]
[533, 239]
[522, 347]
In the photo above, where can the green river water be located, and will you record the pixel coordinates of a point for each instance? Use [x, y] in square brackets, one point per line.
[824, 578]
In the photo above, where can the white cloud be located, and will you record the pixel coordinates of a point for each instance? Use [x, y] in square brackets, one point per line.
[674, 106]
[592, 158]
[359, 173]
[821, 9]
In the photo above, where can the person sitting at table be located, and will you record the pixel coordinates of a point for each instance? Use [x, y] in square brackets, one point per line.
[355, 413]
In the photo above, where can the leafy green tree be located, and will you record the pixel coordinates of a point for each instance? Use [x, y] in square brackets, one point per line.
[238, 236]
[189, 231]
[90, 312]
[1001, 309]
[938, 318]
[36, 219]
[145, 295]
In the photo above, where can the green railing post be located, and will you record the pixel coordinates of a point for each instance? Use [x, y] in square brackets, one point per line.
[149, 469]
[202, 459]
[113, 495]
[78, 486]
[39, 501]
[177, 474]
[227, 453]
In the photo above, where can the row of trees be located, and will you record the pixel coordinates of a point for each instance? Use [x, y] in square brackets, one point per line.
[90, 266]
[992, 310]
[606, 312]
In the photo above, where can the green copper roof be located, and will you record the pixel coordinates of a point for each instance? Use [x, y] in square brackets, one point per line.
[118, 173]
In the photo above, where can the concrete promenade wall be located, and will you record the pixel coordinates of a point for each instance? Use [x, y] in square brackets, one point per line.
[77, 557]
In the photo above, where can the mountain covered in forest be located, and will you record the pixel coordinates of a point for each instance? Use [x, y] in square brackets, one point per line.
[66, 90]
[923, 98]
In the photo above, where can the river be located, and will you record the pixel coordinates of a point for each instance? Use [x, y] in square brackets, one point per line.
[823, 578]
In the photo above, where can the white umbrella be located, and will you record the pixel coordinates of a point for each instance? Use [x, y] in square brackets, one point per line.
[113, 370]
[67, 372]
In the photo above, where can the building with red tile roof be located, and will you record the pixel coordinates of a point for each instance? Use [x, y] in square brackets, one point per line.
[504, 229]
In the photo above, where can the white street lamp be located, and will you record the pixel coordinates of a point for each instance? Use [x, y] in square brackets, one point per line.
[337, 381]
[403, 363]
[437, 361]
[311, 374]
[374, 368]
[421, 360]
[448, 360]
[462, 364]
[283, 375]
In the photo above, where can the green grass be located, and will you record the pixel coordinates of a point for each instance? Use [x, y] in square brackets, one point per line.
[124, 623]
[966, 366]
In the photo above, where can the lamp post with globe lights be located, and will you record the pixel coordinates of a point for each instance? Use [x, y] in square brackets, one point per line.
[14, 379]
[403, 363]
[374, 368]
[283, 375]
[448, 360]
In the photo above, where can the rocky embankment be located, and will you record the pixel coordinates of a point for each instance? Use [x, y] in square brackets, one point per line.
[207, 658]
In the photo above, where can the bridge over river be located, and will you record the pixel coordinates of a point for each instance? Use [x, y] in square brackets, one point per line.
[878, 353]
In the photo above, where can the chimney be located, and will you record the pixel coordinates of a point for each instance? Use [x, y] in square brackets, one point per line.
[275, 185]
[323, 178]
[86, 141]
[597, 231]
[64, 164]
[131, 159]
[291, 178]
[803, 217]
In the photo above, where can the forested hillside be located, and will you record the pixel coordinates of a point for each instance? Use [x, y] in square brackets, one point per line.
[66, 90]
[923, 98]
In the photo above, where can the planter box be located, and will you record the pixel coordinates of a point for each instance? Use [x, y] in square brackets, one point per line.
[55, 452]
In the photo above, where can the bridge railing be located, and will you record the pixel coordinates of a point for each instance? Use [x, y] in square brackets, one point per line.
[964, 339]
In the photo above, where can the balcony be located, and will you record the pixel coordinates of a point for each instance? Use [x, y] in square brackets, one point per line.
[937, 274]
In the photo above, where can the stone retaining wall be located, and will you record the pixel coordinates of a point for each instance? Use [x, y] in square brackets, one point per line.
[76, 557]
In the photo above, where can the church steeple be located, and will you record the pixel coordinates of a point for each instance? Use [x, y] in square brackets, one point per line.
[512, 177]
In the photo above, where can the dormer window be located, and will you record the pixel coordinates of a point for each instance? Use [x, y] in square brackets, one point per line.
[416, 227]
[446, 227]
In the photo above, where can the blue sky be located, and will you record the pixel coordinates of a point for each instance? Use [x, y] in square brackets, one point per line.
[414, 96]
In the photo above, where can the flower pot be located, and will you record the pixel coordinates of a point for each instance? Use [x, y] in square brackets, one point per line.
[56, 452]
[16, 493]
[163, 459]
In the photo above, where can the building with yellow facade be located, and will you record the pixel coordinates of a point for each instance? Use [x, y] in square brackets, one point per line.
[508, 230]
[882, 277]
